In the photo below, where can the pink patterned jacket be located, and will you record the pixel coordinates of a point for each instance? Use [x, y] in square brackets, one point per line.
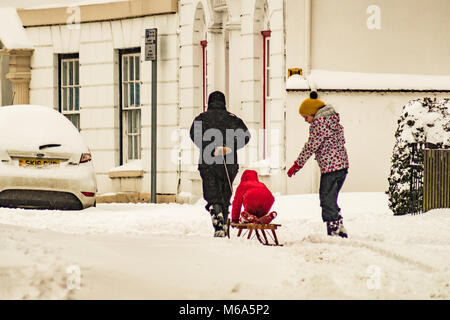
[326, 141]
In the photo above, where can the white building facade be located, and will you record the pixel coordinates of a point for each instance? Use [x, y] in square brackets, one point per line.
[361, 56]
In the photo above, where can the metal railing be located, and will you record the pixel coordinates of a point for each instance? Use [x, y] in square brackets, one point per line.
[416, 179]
[436, 182]
[429, 181]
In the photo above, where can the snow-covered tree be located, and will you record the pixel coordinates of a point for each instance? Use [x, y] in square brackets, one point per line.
[422, 121]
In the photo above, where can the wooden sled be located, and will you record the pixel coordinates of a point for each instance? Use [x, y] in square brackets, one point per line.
[267, 239]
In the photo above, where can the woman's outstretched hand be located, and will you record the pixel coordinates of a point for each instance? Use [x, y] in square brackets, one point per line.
[293, 170]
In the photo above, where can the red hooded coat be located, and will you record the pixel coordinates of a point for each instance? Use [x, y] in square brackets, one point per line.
[253, 194]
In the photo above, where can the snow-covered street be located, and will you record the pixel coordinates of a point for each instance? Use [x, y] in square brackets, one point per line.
[166, 251]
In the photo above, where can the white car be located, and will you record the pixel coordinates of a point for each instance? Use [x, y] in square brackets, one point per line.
[44, 162]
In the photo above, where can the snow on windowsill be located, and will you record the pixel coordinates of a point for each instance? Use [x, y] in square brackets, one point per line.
[336, 80]
[187, 197]
[193, 174]
[132, 169]
[297, 82]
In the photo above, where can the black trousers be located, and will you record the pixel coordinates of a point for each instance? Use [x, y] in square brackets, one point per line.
[216, 188]
[330, 185]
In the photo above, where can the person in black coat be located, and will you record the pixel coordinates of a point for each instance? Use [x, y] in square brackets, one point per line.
[218, 134]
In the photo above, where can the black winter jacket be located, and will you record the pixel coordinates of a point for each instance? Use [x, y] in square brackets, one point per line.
[218, 127]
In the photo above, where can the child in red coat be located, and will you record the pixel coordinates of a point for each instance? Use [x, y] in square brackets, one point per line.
[256, 198]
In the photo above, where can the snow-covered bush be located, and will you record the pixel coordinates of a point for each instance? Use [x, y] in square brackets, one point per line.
[422, 121]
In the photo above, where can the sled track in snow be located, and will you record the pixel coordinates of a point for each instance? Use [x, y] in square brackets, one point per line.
[41, 272]
[360, 244]
[393, 255]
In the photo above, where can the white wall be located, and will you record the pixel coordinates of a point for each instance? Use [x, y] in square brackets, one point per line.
[412, 37]
[370, 122]
[341, 41]
[243, 21]
[369, 119]
[97, 45]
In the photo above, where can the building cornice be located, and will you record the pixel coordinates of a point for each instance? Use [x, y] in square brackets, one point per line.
[96, 12]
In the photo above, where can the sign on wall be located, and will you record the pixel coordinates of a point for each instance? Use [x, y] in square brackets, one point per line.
[150, 44]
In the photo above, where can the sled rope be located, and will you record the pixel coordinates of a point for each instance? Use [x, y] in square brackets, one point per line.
[226, 171]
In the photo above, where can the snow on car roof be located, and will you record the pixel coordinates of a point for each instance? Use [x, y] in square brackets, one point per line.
[26, 127]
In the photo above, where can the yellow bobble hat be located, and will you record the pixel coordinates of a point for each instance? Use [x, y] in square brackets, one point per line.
[310, 105]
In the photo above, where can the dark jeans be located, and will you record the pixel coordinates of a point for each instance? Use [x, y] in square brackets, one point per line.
[216, 189]
[330, 185]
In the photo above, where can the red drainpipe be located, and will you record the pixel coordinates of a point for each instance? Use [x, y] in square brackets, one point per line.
[265, 34]
[204, 43]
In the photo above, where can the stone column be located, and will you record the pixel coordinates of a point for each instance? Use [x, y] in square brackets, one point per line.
[216, 58]
[20, 74]
[234, 70]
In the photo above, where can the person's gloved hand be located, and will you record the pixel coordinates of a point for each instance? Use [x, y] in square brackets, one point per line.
[221, 151]
[293, 170]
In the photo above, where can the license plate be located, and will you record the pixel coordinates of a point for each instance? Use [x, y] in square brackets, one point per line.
[37, 162]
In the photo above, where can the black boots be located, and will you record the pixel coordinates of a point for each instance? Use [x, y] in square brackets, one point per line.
[336, 228]
[219, 219]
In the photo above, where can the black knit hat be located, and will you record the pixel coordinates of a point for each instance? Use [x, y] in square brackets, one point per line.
[216, 96]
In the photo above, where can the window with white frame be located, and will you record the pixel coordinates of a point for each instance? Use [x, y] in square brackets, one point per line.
[69, 87]
[130, 104]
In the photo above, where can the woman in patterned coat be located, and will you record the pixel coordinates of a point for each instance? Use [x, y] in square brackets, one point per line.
[326, 140]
